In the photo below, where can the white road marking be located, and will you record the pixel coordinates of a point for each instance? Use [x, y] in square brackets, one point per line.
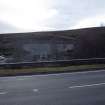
[81, 86]
[35, 90]
[79, 72]
[2, 93]
[55, 74]
[21, 79]
[82, 72]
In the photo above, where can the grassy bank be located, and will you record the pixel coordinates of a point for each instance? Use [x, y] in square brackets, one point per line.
[42, 70]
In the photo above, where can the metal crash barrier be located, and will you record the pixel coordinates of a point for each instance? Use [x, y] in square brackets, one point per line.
[56, 63]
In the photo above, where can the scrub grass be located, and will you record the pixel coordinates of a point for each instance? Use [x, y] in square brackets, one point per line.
[42, 70]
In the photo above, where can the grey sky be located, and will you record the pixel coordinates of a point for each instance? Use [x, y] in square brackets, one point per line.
[39, 15]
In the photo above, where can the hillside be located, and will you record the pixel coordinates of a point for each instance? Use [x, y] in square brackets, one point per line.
[67, 44]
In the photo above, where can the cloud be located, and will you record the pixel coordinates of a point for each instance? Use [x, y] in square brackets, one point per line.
[90, 22]
[26, 14]
[73, 13]
[35, 15]
[6, 28]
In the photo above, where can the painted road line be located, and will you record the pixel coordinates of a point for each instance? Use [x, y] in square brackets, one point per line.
[89, 85]
[83, 72]
[21, 79]
[73, 73]
[55, 74]
[2, 93]
[35, 90]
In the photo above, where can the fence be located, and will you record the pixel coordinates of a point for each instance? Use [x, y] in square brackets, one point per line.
[56, 63]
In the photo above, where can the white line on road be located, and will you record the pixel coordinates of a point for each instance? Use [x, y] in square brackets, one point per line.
[2, 93]
[81, 86]
[83, 72]
[55, 74]
[21, 79]
[79, 72]
[35, 90]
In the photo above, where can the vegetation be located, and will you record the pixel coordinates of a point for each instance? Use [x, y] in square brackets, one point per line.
[43, 70]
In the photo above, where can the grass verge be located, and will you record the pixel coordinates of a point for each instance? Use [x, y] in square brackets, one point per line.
[43, 70]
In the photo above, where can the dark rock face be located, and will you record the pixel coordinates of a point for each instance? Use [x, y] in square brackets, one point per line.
[28, 47]
[55, 45]
[90, 44]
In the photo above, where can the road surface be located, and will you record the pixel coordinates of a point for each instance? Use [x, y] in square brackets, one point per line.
[82, 88]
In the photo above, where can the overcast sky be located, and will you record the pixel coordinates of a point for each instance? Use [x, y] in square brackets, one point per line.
[39, 15]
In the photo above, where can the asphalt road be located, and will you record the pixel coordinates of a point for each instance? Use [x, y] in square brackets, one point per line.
[82, 88]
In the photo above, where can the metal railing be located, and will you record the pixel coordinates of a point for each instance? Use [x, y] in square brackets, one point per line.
[55, 63]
